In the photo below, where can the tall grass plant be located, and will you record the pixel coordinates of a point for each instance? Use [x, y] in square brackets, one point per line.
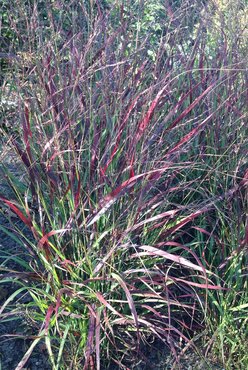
[133, 148]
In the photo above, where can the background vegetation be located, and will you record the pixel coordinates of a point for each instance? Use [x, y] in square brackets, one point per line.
[128, 119]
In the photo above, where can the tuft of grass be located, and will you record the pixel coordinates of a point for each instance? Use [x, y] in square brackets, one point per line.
[133, 150]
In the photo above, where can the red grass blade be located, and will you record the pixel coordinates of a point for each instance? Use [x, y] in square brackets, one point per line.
[190, 107]
[154, 218]
[122, 126]
[180, 224]
[110, 199]
[152, 251]
[90, 343]
[15, 209]
[22, 154]
[144, 122]
[93, 161]
[48, 318]
[198, 285]
[97, 340]
[45, 237]
[27, 132]
[106, 304]
[130, 303]
[187, 137]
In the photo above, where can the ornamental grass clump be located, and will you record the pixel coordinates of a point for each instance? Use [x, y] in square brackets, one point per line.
[131, 146]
